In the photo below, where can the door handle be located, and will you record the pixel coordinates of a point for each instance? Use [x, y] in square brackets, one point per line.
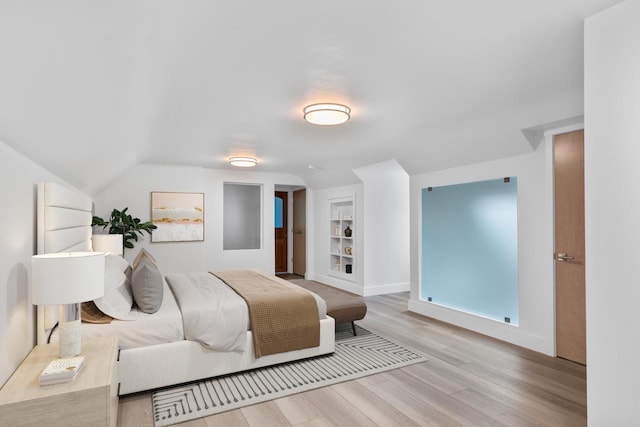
[563, 257]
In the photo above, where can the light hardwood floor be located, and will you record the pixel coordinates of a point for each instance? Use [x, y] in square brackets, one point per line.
[470, 380]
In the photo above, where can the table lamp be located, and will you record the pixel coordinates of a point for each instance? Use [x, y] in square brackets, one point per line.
[111, 243]
[67, 279]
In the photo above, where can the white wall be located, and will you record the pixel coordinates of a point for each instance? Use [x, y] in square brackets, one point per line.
[262, 259]
[535, 249]
[318, 245]
[612, 220]
[382, 245]
[18, 186]
[385, 228]
[133, 189]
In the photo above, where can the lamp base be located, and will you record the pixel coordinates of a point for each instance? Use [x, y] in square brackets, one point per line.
[70, 340]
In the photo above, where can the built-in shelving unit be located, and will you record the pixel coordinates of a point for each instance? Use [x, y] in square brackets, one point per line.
[342, 240]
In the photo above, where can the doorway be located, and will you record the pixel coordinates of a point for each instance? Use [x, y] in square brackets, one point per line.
[281, 217]
[300, 232]
[568, 164]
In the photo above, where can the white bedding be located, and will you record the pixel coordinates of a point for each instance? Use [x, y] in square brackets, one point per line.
[214, 314]
[161, 327]
[230, 318]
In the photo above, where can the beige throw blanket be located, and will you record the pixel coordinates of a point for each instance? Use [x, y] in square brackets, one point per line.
[283, 316]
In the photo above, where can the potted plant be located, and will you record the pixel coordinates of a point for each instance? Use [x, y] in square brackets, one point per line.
[120, 222]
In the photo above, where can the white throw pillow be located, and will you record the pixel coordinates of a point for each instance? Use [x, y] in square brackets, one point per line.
[117, 261]
[120, 263]
[118, 298]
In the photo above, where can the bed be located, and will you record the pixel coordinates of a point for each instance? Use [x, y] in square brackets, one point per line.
[162, 357]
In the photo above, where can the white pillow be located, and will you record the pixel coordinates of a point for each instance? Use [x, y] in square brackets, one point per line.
[118, 298]
[117, 261]
[120, 263]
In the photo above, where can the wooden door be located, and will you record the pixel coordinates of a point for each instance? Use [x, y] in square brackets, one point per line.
[569, 246]
[300, 232]
[280, 228]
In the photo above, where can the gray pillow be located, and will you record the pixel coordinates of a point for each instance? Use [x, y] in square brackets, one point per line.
[147, 286]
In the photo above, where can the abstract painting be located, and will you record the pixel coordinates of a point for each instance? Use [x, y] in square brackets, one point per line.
[178, 216]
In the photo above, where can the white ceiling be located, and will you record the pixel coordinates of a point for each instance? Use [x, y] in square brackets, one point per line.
[91, 88]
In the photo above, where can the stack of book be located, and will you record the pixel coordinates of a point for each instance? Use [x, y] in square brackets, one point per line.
[61, 370]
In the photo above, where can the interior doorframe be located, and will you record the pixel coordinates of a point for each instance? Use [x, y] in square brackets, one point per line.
[289, 189]
[290, 231]
[285, 195]
[549, 136]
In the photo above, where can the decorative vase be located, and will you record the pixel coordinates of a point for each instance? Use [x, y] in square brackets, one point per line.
[347, 231]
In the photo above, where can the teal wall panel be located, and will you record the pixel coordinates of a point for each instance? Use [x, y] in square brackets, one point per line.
[470, 247]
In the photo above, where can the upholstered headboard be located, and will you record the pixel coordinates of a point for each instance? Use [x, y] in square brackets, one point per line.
[63, 225]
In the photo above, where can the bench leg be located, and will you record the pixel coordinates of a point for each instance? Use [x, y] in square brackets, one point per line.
[353, 325]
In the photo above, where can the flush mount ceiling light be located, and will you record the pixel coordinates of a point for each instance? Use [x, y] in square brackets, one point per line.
[243, 162]
[326, 114]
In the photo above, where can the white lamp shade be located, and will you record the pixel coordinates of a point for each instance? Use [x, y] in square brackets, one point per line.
[67, 278]
[108, 243]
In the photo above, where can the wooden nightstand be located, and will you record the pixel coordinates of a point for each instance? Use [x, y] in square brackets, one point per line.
[89, 399]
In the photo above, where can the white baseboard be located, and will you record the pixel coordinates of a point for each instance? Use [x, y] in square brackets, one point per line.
[493, 328]
[354, 288]
[336, 283]
[387, 289]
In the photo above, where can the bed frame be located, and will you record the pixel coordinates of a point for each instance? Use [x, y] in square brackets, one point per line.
[63, 225]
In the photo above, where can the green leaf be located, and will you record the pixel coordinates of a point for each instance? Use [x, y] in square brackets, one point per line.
[123, 223]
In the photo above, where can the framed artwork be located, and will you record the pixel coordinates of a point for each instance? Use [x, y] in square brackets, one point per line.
[178, 216]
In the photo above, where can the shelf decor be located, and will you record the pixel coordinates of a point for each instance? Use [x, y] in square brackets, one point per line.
[342, 231]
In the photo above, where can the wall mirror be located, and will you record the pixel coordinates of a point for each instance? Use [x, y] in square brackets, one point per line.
[242, 216]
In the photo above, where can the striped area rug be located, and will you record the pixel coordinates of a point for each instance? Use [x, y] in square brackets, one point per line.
[354, 357]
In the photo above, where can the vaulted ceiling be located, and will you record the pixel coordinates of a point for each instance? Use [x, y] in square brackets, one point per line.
[91, 88]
